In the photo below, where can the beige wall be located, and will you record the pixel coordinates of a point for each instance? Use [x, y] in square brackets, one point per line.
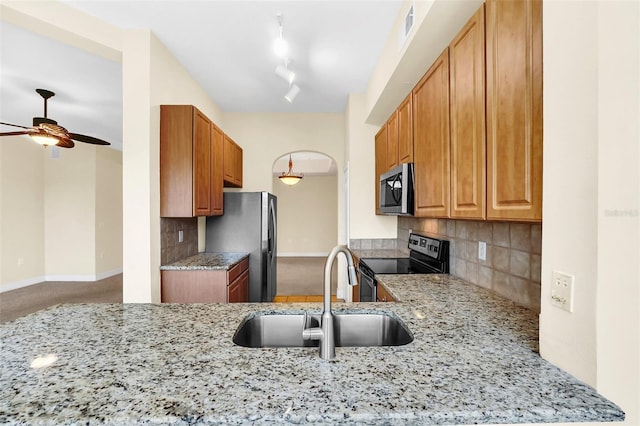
[151, 77]
[591, 163]
[363, 222]
[21, 213]
[69, 213]
[265, 137]
[62, 216]
[108, 207]
[307, 216]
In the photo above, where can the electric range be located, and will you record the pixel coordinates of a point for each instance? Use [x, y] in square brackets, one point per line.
[426, 256]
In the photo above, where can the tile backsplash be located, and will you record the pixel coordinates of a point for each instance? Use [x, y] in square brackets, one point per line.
[513, 262]
[173, 250]
[373, 244]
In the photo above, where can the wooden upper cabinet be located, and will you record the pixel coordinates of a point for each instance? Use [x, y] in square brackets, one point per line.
[232, 163]
[202, 162]
[514, 109]
[186, 162]
[431, 140]
[217, 137]
[381, 162]
[392, 141]
[468, 143]
[405, 130]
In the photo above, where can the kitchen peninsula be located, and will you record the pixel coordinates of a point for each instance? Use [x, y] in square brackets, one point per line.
[473, 360]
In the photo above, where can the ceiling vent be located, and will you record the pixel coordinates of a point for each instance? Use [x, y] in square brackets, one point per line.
[405, 29]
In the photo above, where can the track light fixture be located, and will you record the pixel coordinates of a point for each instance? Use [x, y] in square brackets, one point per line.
[281, 48]
[292, 93]
[285, 73]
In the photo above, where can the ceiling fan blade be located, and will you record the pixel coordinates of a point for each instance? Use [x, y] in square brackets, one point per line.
[14, 125]
[22, 132]
[65, 143]
[88, 139]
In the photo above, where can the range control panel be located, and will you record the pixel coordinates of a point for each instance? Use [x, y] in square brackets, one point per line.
[431, 247]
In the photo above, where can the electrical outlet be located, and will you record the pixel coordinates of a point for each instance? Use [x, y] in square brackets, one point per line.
[562, 291]
[482, 250]
[180, 236]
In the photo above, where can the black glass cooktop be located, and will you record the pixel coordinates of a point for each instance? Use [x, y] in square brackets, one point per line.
[400, 265]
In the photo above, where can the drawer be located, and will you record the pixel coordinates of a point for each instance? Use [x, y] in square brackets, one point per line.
[237, 270]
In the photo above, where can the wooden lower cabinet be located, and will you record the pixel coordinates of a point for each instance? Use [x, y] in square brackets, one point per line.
[238, 283]
[206, 286]
[383, 295]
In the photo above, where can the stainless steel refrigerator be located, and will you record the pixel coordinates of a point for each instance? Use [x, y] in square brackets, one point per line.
[249, 225]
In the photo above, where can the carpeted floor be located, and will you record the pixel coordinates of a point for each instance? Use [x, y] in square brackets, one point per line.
[303, 276]
[23, 301]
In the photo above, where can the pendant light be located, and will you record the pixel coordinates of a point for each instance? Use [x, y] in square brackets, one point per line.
[290, 178]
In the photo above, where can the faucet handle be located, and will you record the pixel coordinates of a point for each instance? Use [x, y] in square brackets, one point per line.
[353, 276]
[314, 333]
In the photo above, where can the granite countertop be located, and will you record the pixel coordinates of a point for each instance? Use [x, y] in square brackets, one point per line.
[473, 360]
[206, 261]
[376, 253]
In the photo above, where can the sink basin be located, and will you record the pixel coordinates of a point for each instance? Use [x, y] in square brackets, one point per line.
[285, 330]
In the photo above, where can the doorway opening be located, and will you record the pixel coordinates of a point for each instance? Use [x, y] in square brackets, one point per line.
[307, 224]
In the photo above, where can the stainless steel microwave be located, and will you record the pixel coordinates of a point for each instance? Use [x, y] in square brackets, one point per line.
[396, 190]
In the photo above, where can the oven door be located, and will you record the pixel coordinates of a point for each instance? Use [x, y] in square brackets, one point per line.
[367, 287]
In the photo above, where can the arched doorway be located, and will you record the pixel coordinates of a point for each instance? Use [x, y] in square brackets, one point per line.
[307, 222]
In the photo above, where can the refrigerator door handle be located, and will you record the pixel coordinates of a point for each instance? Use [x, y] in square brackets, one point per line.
[272, 218]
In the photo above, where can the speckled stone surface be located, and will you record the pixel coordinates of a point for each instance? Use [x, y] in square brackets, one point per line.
[473, 360]
[206, 261]
[361, 254]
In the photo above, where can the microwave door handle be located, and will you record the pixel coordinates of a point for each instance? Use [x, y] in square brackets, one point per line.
[397, 198]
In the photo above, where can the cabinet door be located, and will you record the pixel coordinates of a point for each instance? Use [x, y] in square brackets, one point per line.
[514, 109]
[392, 141]
[202, 159]
[217, 171]
[468, 144]
[239, 289]
[232, 163]
[189, 286]
[381, 162]
[405, 130]
[431, 140]
[382, 295]
[176, 161]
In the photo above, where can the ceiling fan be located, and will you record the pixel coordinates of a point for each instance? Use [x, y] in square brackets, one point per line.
[46, 131]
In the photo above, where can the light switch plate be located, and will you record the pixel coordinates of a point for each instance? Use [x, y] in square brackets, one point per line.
[562, 291]
[180, 236]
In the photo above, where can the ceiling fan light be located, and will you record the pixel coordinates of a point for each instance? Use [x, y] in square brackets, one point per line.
[292, 93]
[285, 73]
[44, 139]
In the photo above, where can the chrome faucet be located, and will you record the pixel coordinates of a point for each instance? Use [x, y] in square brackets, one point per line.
[324, 333]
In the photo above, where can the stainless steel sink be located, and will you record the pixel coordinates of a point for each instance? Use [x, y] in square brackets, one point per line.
[359, 329]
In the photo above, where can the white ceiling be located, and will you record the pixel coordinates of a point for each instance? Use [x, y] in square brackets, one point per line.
[308, 163]
[227, 46]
